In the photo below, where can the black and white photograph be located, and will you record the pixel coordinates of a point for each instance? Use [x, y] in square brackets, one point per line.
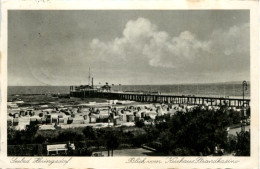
[119, 83]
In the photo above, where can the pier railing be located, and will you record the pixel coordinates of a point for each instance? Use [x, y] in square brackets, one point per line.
[157, 98]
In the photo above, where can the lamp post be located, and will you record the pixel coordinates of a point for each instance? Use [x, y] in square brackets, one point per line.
[242, 126]
[197, 89]
[178, 90]
[244, 85]
[112, 87]
[108, 112]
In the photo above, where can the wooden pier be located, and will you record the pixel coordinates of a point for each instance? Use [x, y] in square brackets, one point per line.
[154, 98]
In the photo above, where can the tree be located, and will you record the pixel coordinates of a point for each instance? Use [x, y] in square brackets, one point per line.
[194, 132]
[89, 133]
[161, 121]
[139, 123]
[184, 151]
[69, 136]
[39, 139]
[82, 149]
[235, 116]
[138, 140]
[112, 141]
[243, 144]
[85, 152]
[31, 129]
[248, 112]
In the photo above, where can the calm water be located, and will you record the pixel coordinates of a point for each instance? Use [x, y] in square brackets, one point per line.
[185, 89]
[191, 89]
[38, 89]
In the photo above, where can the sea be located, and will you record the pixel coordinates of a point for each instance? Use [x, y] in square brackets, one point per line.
[213, 89]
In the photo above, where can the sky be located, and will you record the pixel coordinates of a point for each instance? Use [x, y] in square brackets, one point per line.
[127, 46]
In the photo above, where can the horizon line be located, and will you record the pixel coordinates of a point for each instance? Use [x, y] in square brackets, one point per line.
[248, 81]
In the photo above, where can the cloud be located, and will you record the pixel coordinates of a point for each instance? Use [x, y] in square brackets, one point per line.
[164, 51]
[235, 40]
[142, 39]
[135, 35]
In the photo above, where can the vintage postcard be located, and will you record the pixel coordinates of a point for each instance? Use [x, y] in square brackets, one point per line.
[120, 84]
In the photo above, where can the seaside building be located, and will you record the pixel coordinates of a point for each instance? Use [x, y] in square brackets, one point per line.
[105, 88]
